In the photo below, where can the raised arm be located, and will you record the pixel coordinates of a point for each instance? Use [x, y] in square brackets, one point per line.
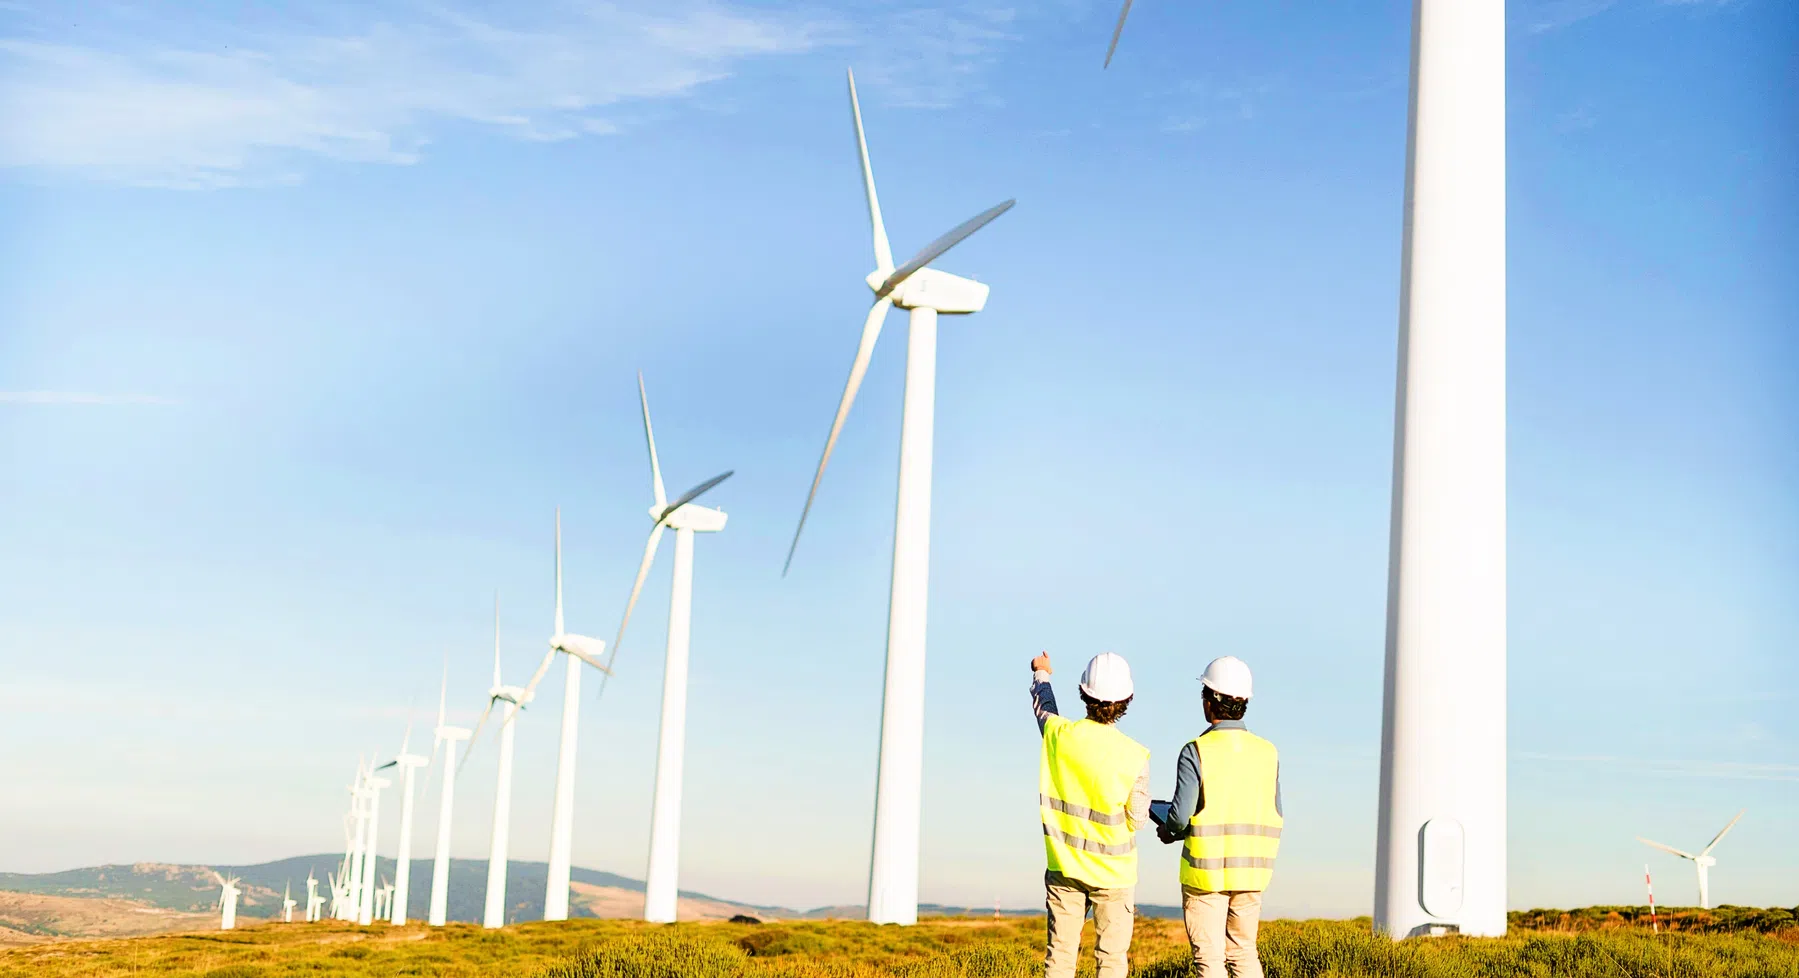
[1043, 695]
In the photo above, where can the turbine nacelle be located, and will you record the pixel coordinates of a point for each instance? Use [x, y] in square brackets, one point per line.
[930, 288]
[516, 695]
[689, 516]
[582, 647]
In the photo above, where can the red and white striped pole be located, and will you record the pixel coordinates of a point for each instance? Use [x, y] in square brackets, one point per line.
[1656, 927]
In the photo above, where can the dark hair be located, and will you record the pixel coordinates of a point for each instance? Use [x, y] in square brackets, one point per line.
[1225, 707]
[1101, 711]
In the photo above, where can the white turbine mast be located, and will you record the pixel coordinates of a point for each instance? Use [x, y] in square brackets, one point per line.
[227, 901]
[661, 882]
[441, 736]
[371, 859]
[287, 902]
[408, 763]
[1702, 862]
[350, 879]
[580, 650]
[1440, 861]
[514, 698]
[926, 293]
[313, 901]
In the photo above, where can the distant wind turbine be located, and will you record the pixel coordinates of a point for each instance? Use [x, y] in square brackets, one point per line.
[441, 736]
[371, 858]
[313, 901]
[408, 763]
[927, 293]
[227, 901]
[1702, 862]
[287, 902]
[580, 650]
[661, 881]
[515, 698]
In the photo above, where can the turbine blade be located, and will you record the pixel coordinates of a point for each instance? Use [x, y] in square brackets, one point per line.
[1677, 852]
[883, 252]
[694, 493]
[649, 435]
[865, 348]
[537, 677]
[643, 571]
[443, 691]
[559, 570]
[1720, 835]
[949, 239]
[1122, 14]
[473, 737]
[496, 638]
[388, 764]
[406, 739]
[591, 660]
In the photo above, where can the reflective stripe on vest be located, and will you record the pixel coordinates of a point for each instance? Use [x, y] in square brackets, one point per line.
[1083, 788]
[1232, 841]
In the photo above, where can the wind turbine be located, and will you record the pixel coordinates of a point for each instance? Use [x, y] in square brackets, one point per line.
[370, 858]
[1440, 855]
[227, 901]
[287, 903]
[515, 698]
[1702, 862]
[313, 900]
[408, 763]
[440, 866]
[580, 649]
[926, 293]
[384, 899]
[352, 876]
[660, 882]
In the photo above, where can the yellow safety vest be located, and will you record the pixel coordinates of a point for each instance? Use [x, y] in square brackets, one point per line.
[1233, 838]
[1084, 786]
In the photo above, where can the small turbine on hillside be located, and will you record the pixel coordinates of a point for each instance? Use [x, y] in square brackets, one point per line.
[580, 649]
[661, 881]
[287, 902]
[926, 292]
[313, 901]
[1701, 862]
[227, 901]
[441, 736]
[370, 857]
[514, 698]
[408, 763]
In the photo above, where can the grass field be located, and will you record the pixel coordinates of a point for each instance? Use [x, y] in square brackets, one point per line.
[1599, 942]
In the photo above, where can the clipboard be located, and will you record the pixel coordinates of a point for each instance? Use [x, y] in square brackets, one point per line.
[1160, 811]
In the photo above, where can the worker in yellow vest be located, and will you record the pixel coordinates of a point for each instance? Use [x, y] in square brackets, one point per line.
[1093, 794]
[1226, 813]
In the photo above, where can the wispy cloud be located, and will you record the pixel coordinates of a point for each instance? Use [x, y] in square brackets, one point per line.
[1729, 770]
[1553, 15]
[196, 104]
[1206, 103]
[76, 397]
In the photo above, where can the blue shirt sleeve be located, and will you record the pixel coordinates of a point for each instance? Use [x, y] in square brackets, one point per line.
[1187, 796]
[1043, 698]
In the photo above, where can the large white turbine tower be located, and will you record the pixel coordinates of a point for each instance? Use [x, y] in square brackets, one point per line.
[661, 882]
[515, 698]
[1702, 862]
[579, 649]
[1440, 859]
[925, 293]
[409, 764]
[441, 736]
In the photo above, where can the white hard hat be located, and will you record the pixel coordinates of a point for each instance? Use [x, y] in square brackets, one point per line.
[1108, 678]
[1228, 676]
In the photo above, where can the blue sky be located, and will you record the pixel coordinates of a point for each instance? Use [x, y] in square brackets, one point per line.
[309, 322]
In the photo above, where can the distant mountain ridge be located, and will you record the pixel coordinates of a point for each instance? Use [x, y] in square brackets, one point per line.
[192, 888]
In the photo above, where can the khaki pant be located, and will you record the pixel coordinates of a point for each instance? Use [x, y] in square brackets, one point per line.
[1222, 929]
[1113, 913]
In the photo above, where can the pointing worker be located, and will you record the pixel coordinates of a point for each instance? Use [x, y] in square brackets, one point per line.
[1093, 793]
[1226, 812]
